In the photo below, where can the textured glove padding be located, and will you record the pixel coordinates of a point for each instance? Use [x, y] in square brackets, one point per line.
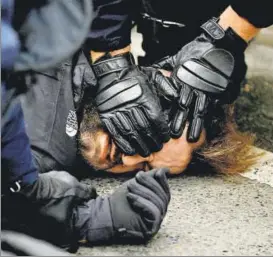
[128, 106]
[209, 68]
[167, 91]
[46, 209]
[139, 206]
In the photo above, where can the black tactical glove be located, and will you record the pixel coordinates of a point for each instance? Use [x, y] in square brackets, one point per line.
[166, 90]
[128, 107]
[208, 69]
[46, 209]
[133, 213]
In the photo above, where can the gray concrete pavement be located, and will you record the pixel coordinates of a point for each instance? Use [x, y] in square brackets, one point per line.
[207, 216]
[259, 55]
[263, 170]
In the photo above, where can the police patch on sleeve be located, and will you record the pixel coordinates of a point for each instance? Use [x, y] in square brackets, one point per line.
[71, 128]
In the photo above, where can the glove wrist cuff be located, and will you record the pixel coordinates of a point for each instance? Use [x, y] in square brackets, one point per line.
[227, 39]
[113, 64]
[213, 29]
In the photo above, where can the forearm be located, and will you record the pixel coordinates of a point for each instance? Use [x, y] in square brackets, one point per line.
[111, 26]
[246, 30]
[96, 55]
[94, 222]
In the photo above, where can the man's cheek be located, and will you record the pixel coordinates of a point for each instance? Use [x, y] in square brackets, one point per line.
[176, 167]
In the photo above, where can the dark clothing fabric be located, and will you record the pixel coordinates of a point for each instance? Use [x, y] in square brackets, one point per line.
[259, 13]
[16, 160]
[31, 38]
[50, 114]
[110, 29]
[50, 107]
[160, 41]
[49, 31]
[13, 243]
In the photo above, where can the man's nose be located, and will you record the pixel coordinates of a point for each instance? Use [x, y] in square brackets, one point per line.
[135, 159]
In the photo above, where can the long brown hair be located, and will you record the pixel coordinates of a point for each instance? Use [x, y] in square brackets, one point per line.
[226, 150]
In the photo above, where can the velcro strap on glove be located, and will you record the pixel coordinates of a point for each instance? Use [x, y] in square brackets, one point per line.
[228, 39]
[213, 29]
[113, 64]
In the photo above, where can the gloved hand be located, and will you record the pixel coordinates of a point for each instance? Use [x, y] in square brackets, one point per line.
[128, 107]
[164, 87]
[46, 209]
[133, 213]
[208, 69]
[139, 206]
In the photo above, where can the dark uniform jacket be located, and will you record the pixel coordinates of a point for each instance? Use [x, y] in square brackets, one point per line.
[110, 29]
[49, 108]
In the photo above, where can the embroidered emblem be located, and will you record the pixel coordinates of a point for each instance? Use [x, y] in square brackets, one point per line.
[71, 128]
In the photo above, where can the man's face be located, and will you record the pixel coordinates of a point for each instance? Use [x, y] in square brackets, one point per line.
[100, 151]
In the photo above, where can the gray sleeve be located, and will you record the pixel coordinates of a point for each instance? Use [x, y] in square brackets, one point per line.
[94, 221]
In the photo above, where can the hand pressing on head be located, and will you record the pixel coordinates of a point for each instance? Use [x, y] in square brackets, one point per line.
[206, 71]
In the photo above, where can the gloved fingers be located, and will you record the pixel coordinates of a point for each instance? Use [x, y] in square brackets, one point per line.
[131, 128]
[161, 178]
[195, 129]
[179, 121]
[166, 63]
[146, 193]
[161, 129]
[147, 180]
[67, 185]
[197, 123]
[122, 142]
[159, 126]
[166, 87]
[145, 208]
[152, 141]
[85, 192]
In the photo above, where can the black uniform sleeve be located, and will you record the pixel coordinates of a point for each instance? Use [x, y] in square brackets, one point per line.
[94, 222]
[111, 26]
[259, 13]
[50, 114]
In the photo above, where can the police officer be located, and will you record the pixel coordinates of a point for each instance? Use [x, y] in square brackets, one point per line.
[55, 206]
[26, 196]
[208, 53]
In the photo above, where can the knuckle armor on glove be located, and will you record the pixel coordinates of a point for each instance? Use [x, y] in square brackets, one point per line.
[128, 107]
[206, 71]
[217, 63]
